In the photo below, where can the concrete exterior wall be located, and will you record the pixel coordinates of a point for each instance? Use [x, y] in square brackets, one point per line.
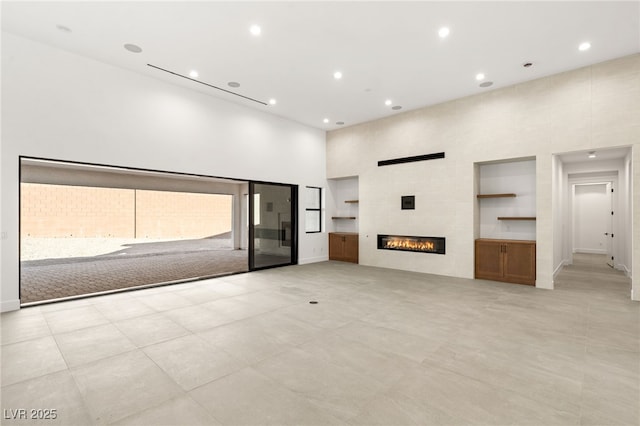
[75, 211]
[173, 214]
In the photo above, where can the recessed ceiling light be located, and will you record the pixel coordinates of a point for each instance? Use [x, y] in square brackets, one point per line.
[255, 30]
[337, 75]
[272, 101]
[396, 107]
[592, 154]
[479, 76]
[527, 64]
[584, 46]
[133, 48]
[388, 102]
[193, 74]
[326, 120]
[63, 28]
[486, 84]
[233, 84]
[443, 32]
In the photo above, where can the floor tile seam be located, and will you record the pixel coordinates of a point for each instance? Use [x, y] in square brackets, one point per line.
[398, 331]
[383, 351]
[138, 346]
[503, 389]
[613, 367]
[84, 402]
[299, 394]
[83, 364]
[382, 394]
[612, 346]
[166, 374]
[84, 327]
[188, 395]
[358, 373]
[209, 344]
[3, 344]
[163, 372]
[494, 354]
[188, 391]
[35, 377]
[599, 326]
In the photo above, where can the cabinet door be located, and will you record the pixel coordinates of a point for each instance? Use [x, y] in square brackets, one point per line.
[520, 263]
[351, 248]
[489, 261]
[336, 247]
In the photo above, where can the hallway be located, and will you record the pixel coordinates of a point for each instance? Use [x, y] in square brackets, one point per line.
[589, 275]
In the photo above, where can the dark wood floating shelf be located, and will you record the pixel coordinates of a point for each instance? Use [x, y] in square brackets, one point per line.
[495, 195]
[343, 217]
[517, 218]
[352, 201]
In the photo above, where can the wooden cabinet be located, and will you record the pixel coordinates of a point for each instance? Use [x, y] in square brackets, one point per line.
[512, 261]
[343, 246]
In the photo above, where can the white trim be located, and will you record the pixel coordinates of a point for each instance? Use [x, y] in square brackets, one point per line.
[589, 251]
[562, 264]
[10, 305]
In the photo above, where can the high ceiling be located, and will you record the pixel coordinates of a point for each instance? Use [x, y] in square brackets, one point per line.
[385, 50]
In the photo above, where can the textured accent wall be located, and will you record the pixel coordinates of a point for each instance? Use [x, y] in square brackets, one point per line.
[589, 108]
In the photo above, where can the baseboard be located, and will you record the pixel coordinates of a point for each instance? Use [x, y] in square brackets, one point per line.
[589, 251]
[559, 268]
[10, 305]
[313, 260]
[622, 267]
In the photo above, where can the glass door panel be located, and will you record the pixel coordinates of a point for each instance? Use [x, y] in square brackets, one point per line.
[272, 225]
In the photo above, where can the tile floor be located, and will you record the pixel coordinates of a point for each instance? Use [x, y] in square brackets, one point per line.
[381, 347]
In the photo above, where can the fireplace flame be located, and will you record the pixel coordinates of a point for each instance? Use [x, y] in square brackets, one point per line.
[410, 245]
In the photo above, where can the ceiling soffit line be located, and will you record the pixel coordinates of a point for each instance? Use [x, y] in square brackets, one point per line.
[206, 84]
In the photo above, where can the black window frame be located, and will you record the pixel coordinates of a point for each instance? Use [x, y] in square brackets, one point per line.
[319, 210]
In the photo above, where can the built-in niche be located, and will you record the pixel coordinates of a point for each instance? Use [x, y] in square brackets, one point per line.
[506, 196]
[343, 206]
[505, 222]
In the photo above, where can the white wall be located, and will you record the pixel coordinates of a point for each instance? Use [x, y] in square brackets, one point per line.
[558, 207]
[61, 106]
[626, 209]
[592, 218]
[585, 109]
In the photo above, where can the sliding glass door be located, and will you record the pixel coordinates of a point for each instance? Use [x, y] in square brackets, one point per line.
[272, 225]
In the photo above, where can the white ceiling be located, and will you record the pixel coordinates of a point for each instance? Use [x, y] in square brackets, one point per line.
[385, 50]
[600, 155]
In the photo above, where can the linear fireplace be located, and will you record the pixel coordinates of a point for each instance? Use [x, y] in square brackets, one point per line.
[412, 243]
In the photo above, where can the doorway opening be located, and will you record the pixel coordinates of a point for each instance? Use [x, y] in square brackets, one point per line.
[88, 229]
[592, 202]
[593, 213]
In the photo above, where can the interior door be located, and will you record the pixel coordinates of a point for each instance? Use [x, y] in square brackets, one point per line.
[609, 231]
[272, 225]
[592, 219]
